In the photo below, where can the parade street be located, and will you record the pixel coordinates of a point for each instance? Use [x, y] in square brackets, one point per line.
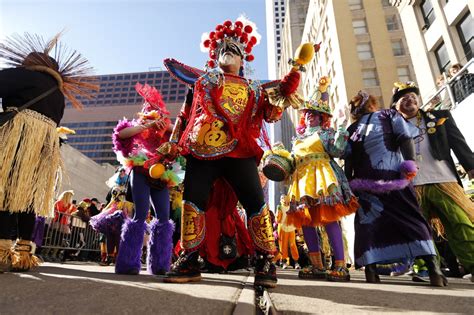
[85, 288]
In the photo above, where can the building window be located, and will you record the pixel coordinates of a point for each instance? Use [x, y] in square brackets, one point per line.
[466, 34]
[392, 23]
[403, 74]
[355, 4]
[369, 78]
[427, 12]
[359, 26]
[364, 51]
[442, 58]
[386, 3]
[397, 48]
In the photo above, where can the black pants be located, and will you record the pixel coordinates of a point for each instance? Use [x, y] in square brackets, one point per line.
[241, 174]
[17, 225]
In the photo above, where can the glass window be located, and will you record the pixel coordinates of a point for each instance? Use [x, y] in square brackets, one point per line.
[466, 34]
[359, 26]
[397, 48]
[364, 51]
[392, 22]
[427, 12]
[369, 78]
[355, 4]
[442, 58]
[403, 74]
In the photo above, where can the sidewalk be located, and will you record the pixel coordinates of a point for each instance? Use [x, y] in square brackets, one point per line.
[86, 288]
[393, 295]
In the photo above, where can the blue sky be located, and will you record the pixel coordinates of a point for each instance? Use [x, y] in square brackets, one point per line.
[131, 36]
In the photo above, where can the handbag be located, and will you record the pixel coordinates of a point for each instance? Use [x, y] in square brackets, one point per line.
[8, 115]
[227, 247]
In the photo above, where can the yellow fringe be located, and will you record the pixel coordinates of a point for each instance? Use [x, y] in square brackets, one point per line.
[455, 192]
[24, 261]
[325, 246]
[30, 162]
[6, 252]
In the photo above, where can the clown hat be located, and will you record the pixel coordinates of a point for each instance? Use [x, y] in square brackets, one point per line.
[319, 101]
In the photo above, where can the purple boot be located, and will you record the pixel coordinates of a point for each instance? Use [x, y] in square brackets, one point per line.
[160, 247]
[130, 249]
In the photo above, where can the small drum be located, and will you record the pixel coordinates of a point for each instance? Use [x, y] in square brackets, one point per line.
[277, 168]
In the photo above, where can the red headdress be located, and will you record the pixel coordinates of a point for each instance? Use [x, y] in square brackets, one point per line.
[242, 33]
[153, 99]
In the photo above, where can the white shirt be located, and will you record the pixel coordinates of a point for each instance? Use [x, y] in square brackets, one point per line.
[431, 171]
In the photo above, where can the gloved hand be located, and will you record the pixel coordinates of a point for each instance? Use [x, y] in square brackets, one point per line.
[289, 84]
[408, 169]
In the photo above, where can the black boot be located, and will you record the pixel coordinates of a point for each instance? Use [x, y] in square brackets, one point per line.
[186, 269]
[437, 279]
[371, 275]
[265, 271]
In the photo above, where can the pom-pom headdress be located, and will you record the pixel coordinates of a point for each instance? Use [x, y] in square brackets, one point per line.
[68, 67]
[241, 36]
[153, 99]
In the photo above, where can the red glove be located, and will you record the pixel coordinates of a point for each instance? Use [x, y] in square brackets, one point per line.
[290, 83]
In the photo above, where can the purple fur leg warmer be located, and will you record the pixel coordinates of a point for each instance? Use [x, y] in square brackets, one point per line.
[160, 246]
[130, 249]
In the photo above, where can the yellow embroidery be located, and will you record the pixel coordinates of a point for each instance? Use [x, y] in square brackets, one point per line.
[235, 97]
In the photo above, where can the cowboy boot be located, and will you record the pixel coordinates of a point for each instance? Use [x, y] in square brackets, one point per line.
[371, 275]
[23, 256]
[130, 248]
[193, 230]
[261, 231]
[6, 253]
[437, 279]
[160, 247]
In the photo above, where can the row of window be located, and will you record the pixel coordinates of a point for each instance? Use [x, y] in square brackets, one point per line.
[357, 4]
[136, 76]
[91, 124]
[107, 131]
[360, 25]
[100, 154]
[89, 139]
[103, 146]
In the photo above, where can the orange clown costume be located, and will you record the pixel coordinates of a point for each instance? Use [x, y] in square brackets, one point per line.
[218, 131]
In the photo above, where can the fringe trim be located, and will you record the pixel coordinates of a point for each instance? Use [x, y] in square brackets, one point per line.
[455, 192]
[23, 259]
[6, 254]
[31, 163]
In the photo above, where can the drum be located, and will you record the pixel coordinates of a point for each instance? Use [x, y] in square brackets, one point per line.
[277, 168]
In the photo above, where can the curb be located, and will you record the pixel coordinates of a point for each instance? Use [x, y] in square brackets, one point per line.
[246, 301]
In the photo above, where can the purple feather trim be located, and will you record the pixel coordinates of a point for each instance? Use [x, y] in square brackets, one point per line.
[408, 166]
[130, 249]
[108, 222]
[160, 246]
[378, 186]
[125, 146]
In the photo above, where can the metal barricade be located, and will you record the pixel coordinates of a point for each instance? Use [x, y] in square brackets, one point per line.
[68, 233]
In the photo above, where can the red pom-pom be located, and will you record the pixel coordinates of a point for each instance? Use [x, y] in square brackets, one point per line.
[212, 35]
[250, 58]
[228, 23]
[228, 31]
[243, 40]
[212, 55]
[248, 49]
[211, 63]
[220, 35]
[239, 24]
[206, 43]
[253, 40]
[248, 29]
[238, 31]
[219, 27]
[213, 44]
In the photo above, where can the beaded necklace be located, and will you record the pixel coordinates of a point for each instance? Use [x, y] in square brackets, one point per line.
[419, 138]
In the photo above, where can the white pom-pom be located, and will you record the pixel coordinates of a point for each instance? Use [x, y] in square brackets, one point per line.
[242, 18]
[204, 36]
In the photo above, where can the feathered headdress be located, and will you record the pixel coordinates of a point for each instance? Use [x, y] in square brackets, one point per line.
[242, 33]
[153, 99]
[68, 67]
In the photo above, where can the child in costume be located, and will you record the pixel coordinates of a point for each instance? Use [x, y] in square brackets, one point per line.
[29, 143]
[389, 226]
[319, 192]
[136, 143]
[286, 234]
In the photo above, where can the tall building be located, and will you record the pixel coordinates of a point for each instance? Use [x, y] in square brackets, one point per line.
[116, 99]
[441, 34]
[363, 46]
[275, 16]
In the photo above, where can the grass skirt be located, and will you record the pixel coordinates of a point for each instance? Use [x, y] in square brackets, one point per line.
[30, 162]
